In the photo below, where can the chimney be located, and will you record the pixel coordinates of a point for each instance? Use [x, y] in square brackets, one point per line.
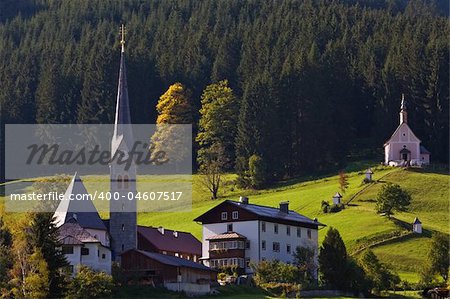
[243, 200]
[175, 234]
[161, 230]
[284, 207]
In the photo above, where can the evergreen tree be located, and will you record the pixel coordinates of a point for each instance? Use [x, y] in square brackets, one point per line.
[333, 260]
[43, 235]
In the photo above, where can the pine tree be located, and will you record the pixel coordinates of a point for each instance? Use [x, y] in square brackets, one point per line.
[333, 260]
[43, 235]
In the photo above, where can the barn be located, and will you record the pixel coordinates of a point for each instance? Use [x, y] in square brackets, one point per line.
[174, 273]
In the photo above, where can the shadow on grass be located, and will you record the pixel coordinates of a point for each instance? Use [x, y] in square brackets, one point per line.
[433, 168]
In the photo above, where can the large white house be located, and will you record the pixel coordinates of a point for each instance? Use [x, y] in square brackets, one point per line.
[240, 233]
[404, 148]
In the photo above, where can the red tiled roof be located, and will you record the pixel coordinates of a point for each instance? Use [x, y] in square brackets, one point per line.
[184, 242]
[229, 235]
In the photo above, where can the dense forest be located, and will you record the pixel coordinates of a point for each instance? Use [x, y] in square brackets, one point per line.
[316, 82]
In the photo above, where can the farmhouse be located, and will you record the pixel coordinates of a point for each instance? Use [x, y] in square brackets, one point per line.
[240, 233]
[404, 148]
[170, 242]
[172, 272]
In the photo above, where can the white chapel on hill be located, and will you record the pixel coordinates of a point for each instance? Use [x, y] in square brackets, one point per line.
[404, 148]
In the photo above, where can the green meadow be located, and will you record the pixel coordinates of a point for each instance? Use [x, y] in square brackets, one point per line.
[360, 226]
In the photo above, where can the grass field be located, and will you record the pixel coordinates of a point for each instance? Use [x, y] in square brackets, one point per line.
[358, 223]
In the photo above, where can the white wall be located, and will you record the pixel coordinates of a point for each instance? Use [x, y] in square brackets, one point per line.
[252, 230]
[94, 260]
[269, 236]
[100, 235]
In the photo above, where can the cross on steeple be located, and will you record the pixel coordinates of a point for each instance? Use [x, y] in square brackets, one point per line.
[122, 36]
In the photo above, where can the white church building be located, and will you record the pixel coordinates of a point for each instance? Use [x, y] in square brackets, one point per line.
[404, 148]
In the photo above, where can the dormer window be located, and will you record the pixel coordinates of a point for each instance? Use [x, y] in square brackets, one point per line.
[224, 216]
[235, 215]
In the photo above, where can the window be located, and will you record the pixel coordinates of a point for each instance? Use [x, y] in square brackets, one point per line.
[247, 262]
[263, 245]
[235, 215]
[276, 247]
[67, 249]
[230, 227]
[119, 182]
[103, 256]
[125, 181]
[263, 226]
[288, 248]
[309, 234]
[288, 230]
[98, 253]
[123, 227]
[247, 244]
[123, 247]
[299, 232]
[224, 216]
[84, 251]
[275, 228]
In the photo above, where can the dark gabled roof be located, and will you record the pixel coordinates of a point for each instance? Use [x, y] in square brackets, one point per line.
[269, 213]
[83, 211]
[183, 242]
[337, 195]
[73, 233]
[423, 150]
[225, 236]
[417, 221]
[171, 260]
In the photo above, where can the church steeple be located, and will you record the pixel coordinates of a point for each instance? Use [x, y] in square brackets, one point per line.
[123, 216]
[122, 122]
[403, 112]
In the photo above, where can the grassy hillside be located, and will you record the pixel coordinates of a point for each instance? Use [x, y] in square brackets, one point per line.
[358, 224]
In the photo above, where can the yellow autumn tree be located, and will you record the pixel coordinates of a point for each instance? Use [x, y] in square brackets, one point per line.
[174, 106]
[29, 275]
[171, 138]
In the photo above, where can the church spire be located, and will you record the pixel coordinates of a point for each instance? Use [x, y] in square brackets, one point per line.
[122, 122]
[122, 35]
[403, 113]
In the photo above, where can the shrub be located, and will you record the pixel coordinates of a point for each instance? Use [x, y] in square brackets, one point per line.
[90, 284]
[325, 205]
[275, 271]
